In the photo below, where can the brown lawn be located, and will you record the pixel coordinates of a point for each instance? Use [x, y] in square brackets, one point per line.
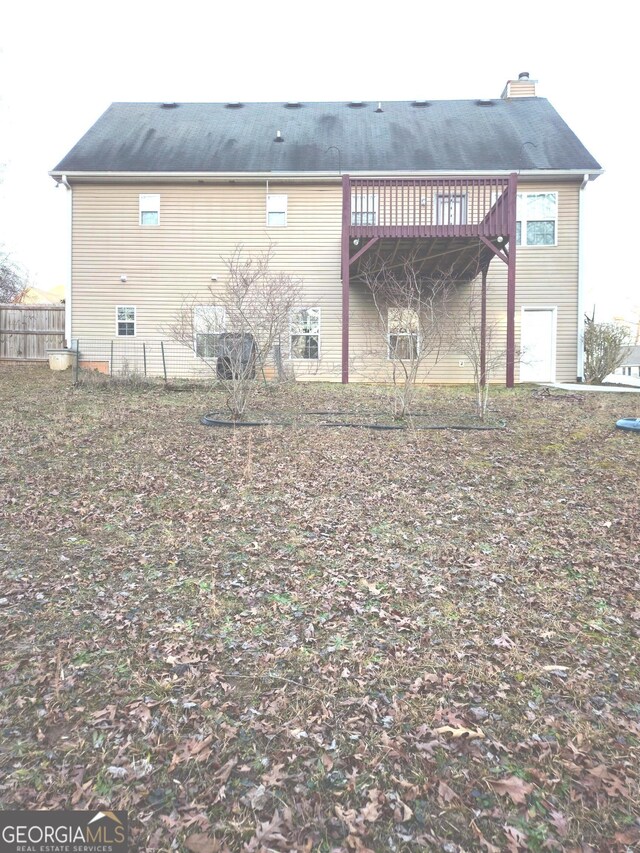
[309, 638]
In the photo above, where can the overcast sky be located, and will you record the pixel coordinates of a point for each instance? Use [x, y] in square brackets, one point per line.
[63, 63]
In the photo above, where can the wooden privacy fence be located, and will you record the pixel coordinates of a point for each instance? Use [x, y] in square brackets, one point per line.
[28, 331]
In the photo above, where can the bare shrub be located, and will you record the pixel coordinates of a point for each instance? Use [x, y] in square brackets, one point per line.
[413, 318]
[235, 329]
[603, 349]
[468, 337]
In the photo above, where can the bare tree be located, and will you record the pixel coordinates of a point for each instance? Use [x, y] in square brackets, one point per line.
[13, 281]
[235, 329]
[485, 357]
[603, 349]
[413, 318]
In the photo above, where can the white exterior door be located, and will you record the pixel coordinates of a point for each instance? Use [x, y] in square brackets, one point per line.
[538, 345]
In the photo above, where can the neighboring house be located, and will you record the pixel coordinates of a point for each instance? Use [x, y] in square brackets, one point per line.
[629, 371]
[489, 190]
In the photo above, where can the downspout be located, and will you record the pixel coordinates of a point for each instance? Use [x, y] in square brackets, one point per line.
[580, 326]
[67, 285]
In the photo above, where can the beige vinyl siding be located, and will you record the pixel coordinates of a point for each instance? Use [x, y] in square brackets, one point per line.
[200, 224]
[548, 275]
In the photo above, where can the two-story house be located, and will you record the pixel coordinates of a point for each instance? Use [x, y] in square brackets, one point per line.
[488, 190]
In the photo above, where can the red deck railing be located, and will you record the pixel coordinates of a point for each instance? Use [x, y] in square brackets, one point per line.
[429, 207]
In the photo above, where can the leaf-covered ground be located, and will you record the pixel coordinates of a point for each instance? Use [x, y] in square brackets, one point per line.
[321, 639]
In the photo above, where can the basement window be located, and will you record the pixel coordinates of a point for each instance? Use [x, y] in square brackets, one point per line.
[149, 209]
[125, 321]
[537, 217]
[277, 211]
[403, 334]
[304, 331]
[209, 322]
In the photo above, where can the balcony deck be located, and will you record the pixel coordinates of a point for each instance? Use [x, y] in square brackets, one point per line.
[429, 208]
[452, 226]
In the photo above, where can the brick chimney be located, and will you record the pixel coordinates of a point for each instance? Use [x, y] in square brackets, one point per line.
[523, 87]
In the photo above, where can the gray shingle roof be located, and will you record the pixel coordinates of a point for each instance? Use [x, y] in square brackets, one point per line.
[513, 135]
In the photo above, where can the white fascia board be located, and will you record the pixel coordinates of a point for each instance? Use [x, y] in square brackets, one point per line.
[547, 174]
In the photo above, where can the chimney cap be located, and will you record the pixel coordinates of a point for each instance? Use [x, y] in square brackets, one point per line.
[523, 75]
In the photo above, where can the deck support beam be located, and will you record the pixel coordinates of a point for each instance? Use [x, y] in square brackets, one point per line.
[511, 280]
[346, 266]
[364, 248]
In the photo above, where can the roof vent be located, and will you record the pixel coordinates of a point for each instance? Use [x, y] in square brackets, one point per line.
[168, 105]
[356, 104]
[278, 137]
[488, 103]
[234, 105]
[379, 107]
[293, 105]
[523, 75]
[420, 104]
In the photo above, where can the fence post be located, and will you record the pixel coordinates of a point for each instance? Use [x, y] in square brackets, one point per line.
[77, 364]
[164, 363]
[111, 362]
[144, 358]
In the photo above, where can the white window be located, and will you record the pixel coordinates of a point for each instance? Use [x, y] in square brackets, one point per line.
[125, 321]
[150, 209]
[537, 216]
[403, 334]
[209, 322]
[364, 208]
[451, 209]
[277, 211]
[304, 331]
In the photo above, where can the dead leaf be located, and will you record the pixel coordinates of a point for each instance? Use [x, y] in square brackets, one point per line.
[460, 731]
[490, 848]
[200, 842]
[371, 812]
[516, 839]
[275, 776]
[222, 775]
[512, 786]
[445, 793]
[191, 750]
[560, 823]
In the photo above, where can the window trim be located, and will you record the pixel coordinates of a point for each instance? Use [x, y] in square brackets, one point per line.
[417, 336]
[285, 210]
[135, 321]
[523, 222]
[318, 335]
[196, 333]
[142, 210]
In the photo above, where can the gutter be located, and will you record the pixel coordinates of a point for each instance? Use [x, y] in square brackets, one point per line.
[580, 327]
[319, 176]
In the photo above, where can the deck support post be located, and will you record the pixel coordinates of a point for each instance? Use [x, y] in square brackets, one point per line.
[483, 328]
[511, 281]
[346, 224]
